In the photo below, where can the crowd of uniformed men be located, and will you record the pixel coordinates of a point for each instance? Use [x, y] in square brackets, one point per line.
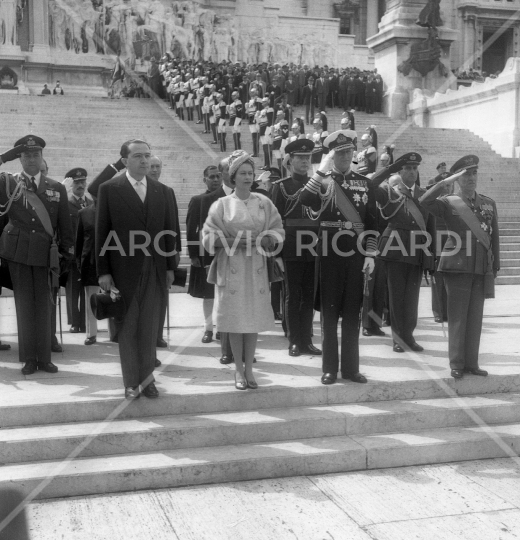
[359, 238]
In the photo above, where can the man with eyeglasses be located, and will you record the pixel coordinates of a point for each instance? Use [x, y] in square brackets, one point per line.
[38, 212]
[198, 286]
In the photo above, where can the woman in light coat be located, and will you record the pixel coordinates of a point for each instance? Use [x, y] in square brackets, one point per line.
[240, 229]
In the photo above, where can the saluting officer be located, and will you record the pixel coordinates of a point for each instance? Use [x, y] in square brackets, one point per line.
[469, 267]
[299, 262]
[406, 245]
[38, 212]
[345, 207]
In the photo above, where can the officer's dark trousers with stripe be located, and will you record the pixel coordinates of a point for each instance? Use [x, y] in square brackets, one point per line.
[32, 298]
[299, 301]
[138, 334]
[465, 311]
[341, 293]
[374, 305]
[404, 284]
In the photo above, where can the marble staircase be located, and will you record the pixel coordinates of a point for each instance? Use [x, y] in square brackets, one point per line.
[88, 131]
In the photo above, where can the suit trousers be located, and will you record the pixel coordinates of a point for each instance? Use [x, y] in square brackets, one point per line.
[299, 301]
[32, 298]
[341, 294]
[404, 284]
[309, 108]
[162, 315]
[91, 321]
[439, 296]
[465, 293]
[75, 298]
[137, 337]
[375, 303]
[225, 345]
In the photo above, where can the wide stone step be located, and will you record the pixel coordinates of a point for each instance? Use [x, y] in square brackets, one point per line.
[238, 462]
[164, 433]
[507, 239]
[507, 280]
[510, 270]
[509, 262]
[81, 409]
[508, 231]
[510, 246]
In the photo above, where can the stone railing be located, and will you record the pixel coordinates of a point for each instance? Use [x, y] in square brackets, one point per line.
[490, 109]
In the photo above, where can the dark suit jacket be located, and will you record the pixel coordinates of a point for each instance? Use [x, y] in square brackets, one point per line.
[121, 212]
[85, 243]
[206, 200]
[322, 87]
[309, 95]
[194, 225]
[74, 208]
[24, 239]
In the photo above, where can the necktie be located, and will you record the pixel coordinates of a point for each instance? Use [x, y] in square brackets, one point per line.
[81, 202]
[140, 190]
[33, 184]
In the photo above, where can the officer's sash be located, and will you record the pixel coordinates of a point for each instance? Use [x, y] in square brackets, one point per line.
[470, 219]
[346, 207]
[474, 225]
[414, 210]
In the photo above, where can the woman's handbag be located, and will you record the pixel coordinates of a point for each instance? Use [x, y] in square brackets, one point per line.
[274, 271]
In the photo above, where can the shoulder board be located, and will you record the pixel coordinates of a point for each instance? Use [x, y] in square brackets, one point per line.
[281, 180]
[358, 176]
[486, 197]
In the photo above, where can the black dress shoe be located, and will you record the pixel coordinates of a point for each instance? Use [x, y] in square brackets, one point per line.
[29, 367]
[90, 340]
[207, 337]
[226, 360]
[217, 336]
[4, 346]
[161, 343]
[49, 367]
[132, 392]
[277, 316]
[457, 373]
[150, 391]
[157, 362]
[438, 319]
[56, 347]
[329, 378]
[294, 350]
[82, 329]
[373, 332]
[74, 330]
[398, 348]
[415, 346]
[355, 377]
[476, 371]
[310, 349]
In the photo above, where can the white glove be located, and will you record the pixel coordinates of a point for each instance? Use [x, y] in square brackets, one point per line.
[326, 162]
[369, 264]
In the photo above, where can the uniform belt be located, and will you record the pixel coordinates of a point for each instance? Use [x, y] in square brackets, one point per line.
[341, 225]
[301, 223]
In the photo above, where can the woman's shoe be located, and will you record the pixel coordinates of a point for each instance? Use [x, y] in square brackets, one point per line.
[252, 384]
[240, 385]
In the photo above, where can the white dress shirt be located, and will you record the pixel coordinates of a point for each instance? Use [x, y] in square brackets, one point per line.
[135, 184]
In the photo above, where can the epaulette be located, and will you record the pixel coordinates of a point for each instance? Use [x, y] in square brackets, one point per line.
[281, 180]
[486, 197]
[359, 176]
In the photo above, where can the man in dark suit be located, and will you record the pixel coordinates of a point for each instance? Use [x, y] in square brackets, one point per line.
[136, 257]
[407, 245]
[198, 286]
[38, 213]
[322, 91]
[309, 99]
[470, 260]
[74, 289]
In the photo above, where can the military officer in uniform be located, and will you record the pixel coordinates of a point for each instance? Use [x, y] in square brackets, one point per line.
[344, 207]
[469, 268]
[406, 245]
[75, 289]
[38, 213]
[299, 262]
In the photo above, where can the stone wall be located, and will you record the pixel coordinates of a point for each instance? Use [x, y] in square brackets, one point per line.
[490, 109]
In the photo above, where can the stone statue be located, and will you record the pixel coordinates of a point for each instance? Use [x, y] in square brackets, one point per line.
[7, 23]
[58, 26]
[430, 16]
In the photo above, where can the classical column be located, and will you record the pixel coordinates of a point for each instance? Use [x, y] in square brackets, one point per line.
[372, 22]
[40, 26]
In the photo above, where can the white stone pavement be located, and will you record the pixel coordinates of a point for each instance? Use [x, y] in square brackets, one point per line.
[459, 500]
